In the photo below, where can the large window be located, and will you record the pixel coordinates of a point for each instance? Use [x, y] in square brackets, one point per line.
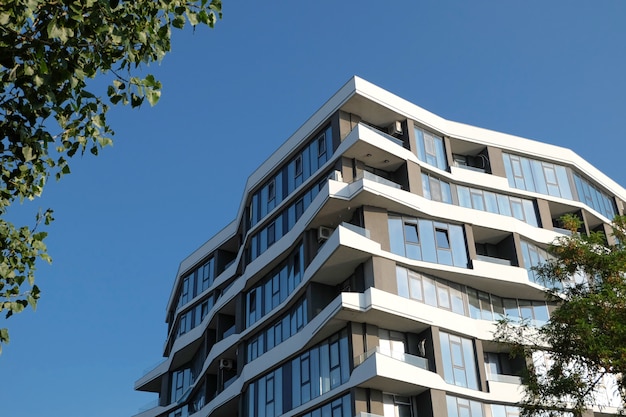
[396, 405]
[499, 410]
[279, 331]
[391, 343]
[548, 178]
[340, 407]
[459, 360]
[436, 189]
[427, 240]
[430, 148]
[194, 316]
[196, 282]
[275, 287]
[533, 256]
[461, 407]
[538, 176]
[467, 301]
[520, 208]
[281, 224]
[180, 383]
[594, 198]
[291, 176]
[309, 375]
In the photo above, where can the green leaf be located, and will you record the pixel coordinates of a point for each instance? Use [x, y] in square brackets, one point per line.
[153, 96]
[27, 151]
[32, 302]
[179, 22]
[5, 18]
[4, 336]
[150, 81]
[193, 18]
[55, 31]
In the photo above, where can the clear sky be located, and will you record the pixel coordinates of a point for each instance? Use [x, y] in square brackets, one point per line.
[547, 70]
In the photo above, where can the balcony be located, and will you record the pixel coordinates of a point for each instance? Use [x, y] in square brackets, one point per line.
[380, 180]
[383, 134]
[401, 356]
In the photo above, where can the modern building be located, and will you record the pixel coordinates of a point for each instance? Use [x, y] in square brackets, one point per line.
[368, 261]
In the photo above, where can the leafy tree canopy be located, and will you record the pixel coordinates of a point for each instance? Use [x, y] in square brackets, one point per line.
[585, 338]
[49, 49]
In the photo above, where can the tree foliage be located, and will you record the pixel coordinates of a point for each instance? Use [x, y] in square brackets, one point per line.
[585, 338]
[49, 50]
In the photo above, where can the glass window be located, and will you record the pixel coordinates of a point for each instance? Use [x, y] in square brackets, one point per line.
[459, 360]
[465, 300]
[430, 292]
[321, 145]
[436, 189]
[271, 234]
[530, 213]
[526, 310]
[443, 241]
[396, 406]
[477, 199]
[443, 296]
[485, 306]
[498, 307]
[402, 282]
[426, 186]
[465, 200]
[491, 203]
[271, 190]
[430, 148]
[415, 286]
[474, 303]
[510, 309]
[410, 233]
[298, 166]
[434, 241]
[538, 176]
[274, 287]
[458, 303]
[540, 312]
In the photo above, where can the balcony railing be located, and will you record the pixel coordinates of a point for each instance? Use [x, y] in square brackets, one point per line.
[229, 331]
[146, 371]
[509, 379]
[493, 260]
[384, 134]
[563, 231]
[357, 229]
[149, 406]
[376, 178]
[401, 356]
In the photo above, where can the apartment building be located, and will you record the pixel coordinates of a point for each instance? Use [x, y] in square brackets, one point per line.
[369, 259]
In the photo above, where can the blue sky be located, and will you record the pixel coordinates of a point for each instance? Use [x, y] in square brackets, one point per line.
[547, 70]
